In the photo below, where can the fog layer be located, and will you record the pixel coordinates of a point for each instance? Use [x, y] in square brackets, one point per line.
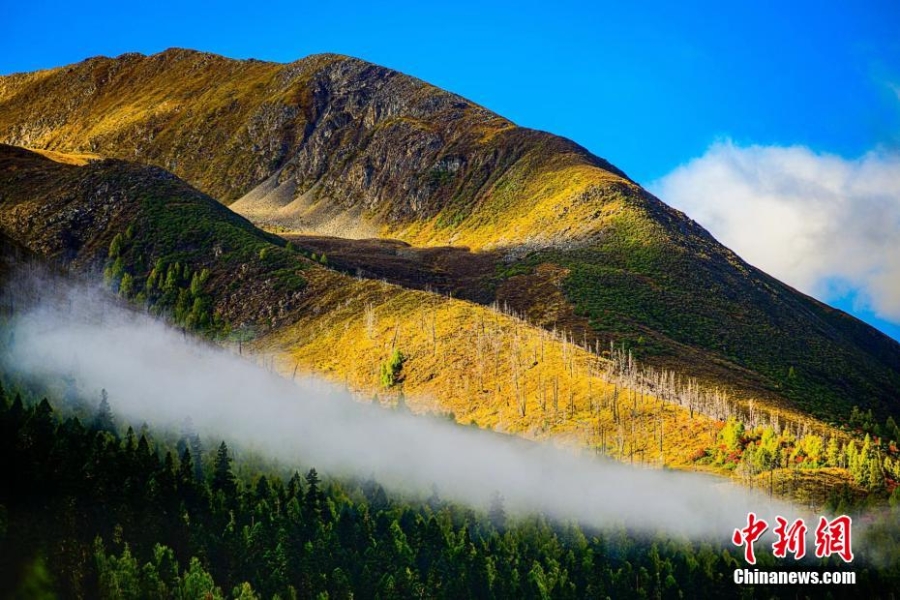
[156, 374]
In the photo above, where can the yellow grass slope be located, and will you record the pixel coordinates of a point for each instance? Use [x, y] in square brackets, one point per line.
[482, 366]
[76, 159]
[341, 136]
[536, 204]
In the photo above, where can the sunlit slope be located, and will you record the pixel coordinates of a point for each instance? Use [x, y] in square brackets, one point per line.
[661, 284]
[334, 145]
[482, 366]
[135, 223]
[479, 366]
[324, 136]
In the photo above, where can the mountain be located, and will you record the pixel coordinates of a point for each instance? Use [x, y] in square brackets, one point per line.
[334, 146]
[161, 244]
[153, 512]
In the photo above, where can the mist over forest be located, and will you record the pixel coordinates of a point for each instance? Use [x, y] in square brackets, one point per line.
[155, 374]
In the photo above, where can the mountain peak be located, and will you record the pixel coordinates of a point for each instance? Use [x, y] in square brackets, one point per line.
[393, 149]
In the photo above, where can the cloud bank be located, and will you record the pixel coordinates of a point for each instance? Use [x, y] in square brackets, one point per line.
[823, 224]
[157, 375]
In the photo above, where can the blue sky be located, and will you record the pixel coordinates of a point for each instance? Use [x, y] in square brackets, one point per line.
[649, 86]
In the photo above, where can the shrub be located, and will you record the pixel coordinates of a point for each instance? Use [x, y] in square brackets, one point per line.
[390, 370]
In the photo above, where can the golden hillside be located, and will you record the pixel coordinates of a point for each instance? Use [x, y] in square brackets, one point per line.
[483, 367]
[327, 144]
[335, 145]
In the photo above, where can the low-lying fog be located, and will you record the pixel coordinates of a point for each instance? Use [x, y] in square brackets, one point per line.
[154, 373]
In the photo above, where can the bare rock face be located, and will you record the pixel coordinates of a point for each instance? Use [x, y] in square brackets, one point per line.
[400, 150]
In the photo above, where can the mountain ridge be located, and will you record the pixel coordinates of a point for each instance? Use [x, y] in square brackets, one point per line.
[298, 106]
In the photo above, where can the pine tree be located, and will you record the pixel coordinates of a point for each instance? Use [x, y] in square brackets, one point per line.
[198, 583]
[295, 487]
[103, 420]
[223, 478]
[874, 476]
[126, 285]
[263, 489]
[833, 452]
[496, 512]
[186, 468]
[311, 501]
[191, 439]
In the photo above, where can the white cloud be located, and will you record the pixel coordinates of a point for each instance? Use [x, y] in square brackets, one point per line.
[821, 223]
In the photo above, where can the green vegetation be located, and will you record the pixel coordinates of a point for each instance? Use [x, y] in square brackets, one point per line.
[164, 244]
[131, 514]
[439, 176]
[655, 291]
[390, 369]
[168, 289]
[157, 267]
[874, 466]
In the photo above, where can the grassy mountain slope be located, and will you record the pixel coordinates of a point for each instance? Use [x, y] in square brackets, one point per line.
[162, 229]
[334, 145]
[661, 295]
[353, 137]
[161, 243]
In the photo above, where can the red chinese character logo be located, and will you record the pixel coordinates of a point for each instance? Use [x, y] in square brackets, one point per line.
[790, 539]
[834, 538]
[749, 534]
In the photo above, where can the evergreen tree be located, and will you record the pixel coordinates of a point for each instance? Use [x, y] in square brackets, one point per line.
[833, 452]
[103, 419]
[496, 512]
[295, 486]
[175, 540]
[191, 439]
[223, 478]
[311, 501]
[186, 468]
[198, 583]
